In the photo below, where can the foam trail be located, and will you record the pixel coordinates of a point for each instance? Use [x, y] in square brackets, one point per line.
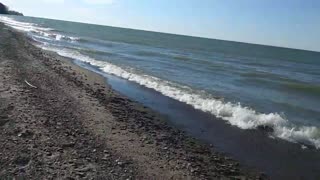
[234, 114]
[33, 28]
[22, 25]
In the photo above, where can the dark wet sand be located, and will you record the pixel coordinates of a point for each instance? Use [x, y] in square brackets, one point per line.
[278, 158]
[59, 121]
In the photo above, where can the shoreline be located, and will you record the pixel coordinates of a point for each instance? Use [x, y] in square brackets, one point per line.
[74, 116]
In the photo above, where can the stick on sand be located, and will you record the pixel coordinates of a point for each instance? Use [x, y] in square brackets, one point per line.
[30, 84]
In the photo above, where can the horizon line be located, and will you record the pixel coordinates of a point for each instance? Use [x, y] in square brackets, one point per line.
[168, 33]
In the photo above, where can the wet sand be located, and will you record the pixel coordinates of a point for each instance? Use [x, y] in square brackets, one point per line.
[60, 121]
[278, 158]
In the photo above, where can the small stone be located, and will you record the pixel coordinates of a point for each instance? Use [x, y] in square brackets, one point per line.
[66, 145]
[106, 157]
[81, 174]
[26, 133]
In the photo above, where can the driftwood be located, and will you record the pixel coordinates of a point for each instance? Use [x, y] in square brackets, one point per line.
[29, 84]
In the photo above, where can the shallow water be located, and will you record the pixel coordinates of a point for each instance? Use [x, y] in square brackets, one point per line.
[279, 159]
[245, 85]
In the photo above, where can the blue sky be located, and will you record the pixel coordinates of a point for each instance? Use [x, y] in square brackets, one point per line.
[287, 23]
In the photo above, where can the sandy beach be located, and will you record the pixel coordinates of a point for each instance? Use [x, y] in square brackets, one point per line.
[60, 121]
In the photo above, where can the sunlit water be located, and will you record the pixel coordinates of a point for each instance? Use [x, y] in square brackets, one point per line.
[246, 85]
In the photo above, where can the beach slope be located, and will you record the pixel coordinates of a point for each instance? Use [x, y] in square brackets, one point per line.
[59, 121]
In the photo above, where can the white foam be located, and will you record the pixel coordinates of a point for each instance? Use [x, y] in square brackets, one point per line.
[33, 28]
[234, 114]
[23, 26]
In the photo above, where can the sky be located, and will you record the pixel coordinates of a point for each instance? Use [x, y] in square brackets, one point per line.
[285, 23]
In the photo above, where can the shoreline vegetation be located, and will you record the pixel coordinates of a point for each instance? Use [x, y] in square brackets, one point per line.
[59, 120]
[5, 10]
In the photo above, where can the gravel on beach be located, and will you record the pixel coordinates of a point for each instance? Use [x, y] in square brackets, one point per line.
[60, 121]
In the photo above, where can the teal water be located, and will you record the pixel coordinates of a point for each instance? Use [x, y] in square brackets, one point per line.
[246, 85]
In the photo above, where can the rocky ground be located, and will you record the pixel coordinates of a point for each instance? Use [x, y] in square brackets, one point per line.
[59, 121]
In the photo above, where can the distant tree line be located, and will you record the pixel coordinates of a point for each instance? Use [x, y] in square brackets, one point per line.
[5, 10]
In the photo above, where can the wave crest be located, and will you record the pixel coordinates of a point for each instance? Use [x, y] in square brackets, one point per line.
[234, 114]
[35, 29]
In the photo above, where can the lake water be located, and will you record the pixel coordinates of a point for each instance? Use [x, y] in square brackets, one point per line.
[221, 92]
[249, 86]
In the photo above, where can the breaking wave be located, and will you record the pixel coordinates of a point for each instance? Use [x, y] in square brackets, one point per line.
[47, 33]
[235, 114]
